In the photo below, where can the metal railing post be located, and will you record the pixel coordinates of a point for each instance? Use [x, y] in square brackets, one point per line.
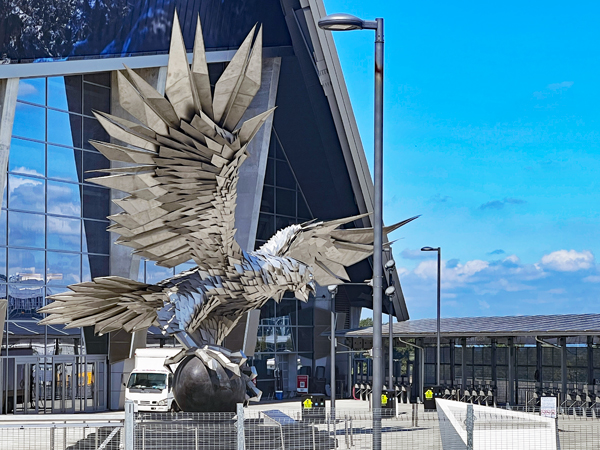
[470, 425]
[128, 426]
[241, 439]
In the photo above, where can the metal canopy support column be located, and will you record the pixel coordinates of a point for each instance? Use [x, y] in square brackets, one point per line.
[510, 391]
[494, 364]
[452, 361]
[563, 366]
[463, 343]
[590, 360]
[539, 355]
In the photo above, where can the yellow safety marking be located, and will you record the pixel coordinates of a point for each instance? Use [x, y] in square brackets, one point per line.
[307, 403]
[428, 394]
[384, 399]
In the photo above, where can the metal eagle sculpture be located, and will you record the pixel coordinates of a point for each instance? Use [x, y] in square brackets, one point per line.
[181, 161]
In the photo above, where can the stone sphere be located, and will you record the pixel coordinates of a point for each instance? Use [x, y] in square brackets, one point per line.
[199, 389]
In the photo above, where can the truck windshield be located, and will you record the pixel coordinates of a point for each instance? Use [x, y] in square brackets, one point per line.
[147, 381]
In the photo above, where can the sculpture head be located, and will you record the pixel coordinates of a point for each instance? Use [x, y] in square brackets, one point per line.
[306, 286]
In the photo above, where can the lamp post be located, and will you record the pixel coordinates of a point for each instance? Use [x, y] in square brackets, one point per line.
[332, 290]
[347, 22]
[439, 268]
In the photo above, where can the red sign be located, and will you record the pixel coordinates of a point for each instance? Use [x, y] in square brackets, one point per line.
[302, 383]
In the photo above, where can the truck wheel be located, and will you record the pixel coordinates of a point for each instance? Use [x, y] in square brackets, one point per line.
[174, 408]
[9, 406]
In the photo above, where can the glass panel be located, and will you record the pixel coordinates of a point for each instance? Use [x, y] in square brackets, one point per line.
[63, 268]
[26, 230]
[286, 202]
[155, 273]
[64, 199]
[185, 266]
[26, 193]
[26, 157]
[305, 339]
[95, 98]
[3, 277]
[25, 266]
[305, 314]
[266, 227]
[93, 130]
[284, 175]
[64, 234]
[65, 93]
[282, 222]
[94, 161]
[63, 163]
[270, 173]
[30, 121]
[96, 238]
[303, 210]
[94, 266]
[3, 227]
[23, 303]
[64, 128]
[267, 202]
[287, 309]
[102, 78]
[95, 203]
[32, 90]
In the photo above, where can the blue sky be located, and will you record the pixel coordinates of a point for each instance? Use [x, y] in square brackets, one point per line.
[492, 133]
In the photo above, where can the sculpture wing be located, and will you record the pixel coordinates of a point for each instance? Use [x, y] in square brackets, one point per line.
[329, 249]
[182, 158]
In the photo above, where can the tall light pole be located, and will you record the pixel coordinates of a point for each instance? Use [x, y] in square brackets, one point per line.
[439, 268]
[332, 290]
[347, 22]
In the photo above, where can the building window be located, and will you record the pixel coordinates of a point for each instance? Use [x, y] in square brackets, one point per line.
[53, 221]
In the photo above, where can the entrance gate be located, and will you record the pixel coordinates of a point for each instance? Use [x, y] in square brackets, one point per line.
[52, 384]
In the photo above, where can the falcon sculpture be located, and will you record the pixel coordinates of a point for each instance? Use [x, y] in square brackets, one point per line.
[179, 165]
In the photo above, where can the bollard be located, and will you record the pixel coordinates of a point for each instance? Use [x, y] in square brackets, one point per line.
[128, 426]
[241, 439]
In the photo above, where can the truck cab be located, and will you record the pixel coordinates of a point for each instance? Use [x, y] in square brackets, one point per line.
[150, 384]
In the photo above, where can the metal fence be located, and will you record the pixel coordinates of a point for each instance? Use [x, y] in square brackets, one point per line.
[276, 429]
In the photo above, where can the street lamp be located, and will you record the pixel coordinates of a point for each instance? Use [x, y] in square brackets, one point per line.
[439, 267]
[332, 290]
[347, 22]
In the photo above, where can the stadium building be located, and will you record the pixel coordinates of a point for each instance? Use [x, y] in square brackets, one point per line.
[59, 62]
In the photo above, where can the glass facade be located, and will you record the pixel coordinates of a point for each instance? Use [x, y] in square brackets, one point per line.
[53, 223]
[285, 332]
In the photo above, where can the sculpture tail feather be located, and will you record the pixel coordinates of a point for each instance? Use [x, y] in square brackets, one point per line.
[107, 303]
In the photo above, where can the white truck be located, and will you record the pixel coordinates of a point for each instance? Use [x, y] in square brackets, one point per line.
[150, 384]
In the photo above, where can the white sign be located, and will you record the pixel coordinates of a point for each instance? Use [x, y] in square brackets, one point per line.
[548, 407]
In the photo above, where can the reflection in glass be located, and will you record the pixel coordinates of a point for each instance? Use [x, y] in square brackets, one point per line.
[64, 234]
[3, 227]
[93, 130]
[266, 227]
[26, 157]
[64, 128]
[64, 199]
[25, 266]
[63, 268]
[25, 193]
[30, 121]
[95, 202]
[267, 202]
[96, 238]
[32, 90]
[26, 230]
[155, 273]
[65, 93]
[3, 277]
[93, 266]
[286, 202]
[94, 161]
[95, 98]
[185, 266]
[62, 163]
[24, 300]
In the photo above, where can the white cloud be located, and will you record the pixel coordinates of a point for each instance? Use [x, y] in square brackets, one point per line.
[18, 182]
[26, 89]
[483, 304]
[568, 260]
[560, 86]
[592, 279]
